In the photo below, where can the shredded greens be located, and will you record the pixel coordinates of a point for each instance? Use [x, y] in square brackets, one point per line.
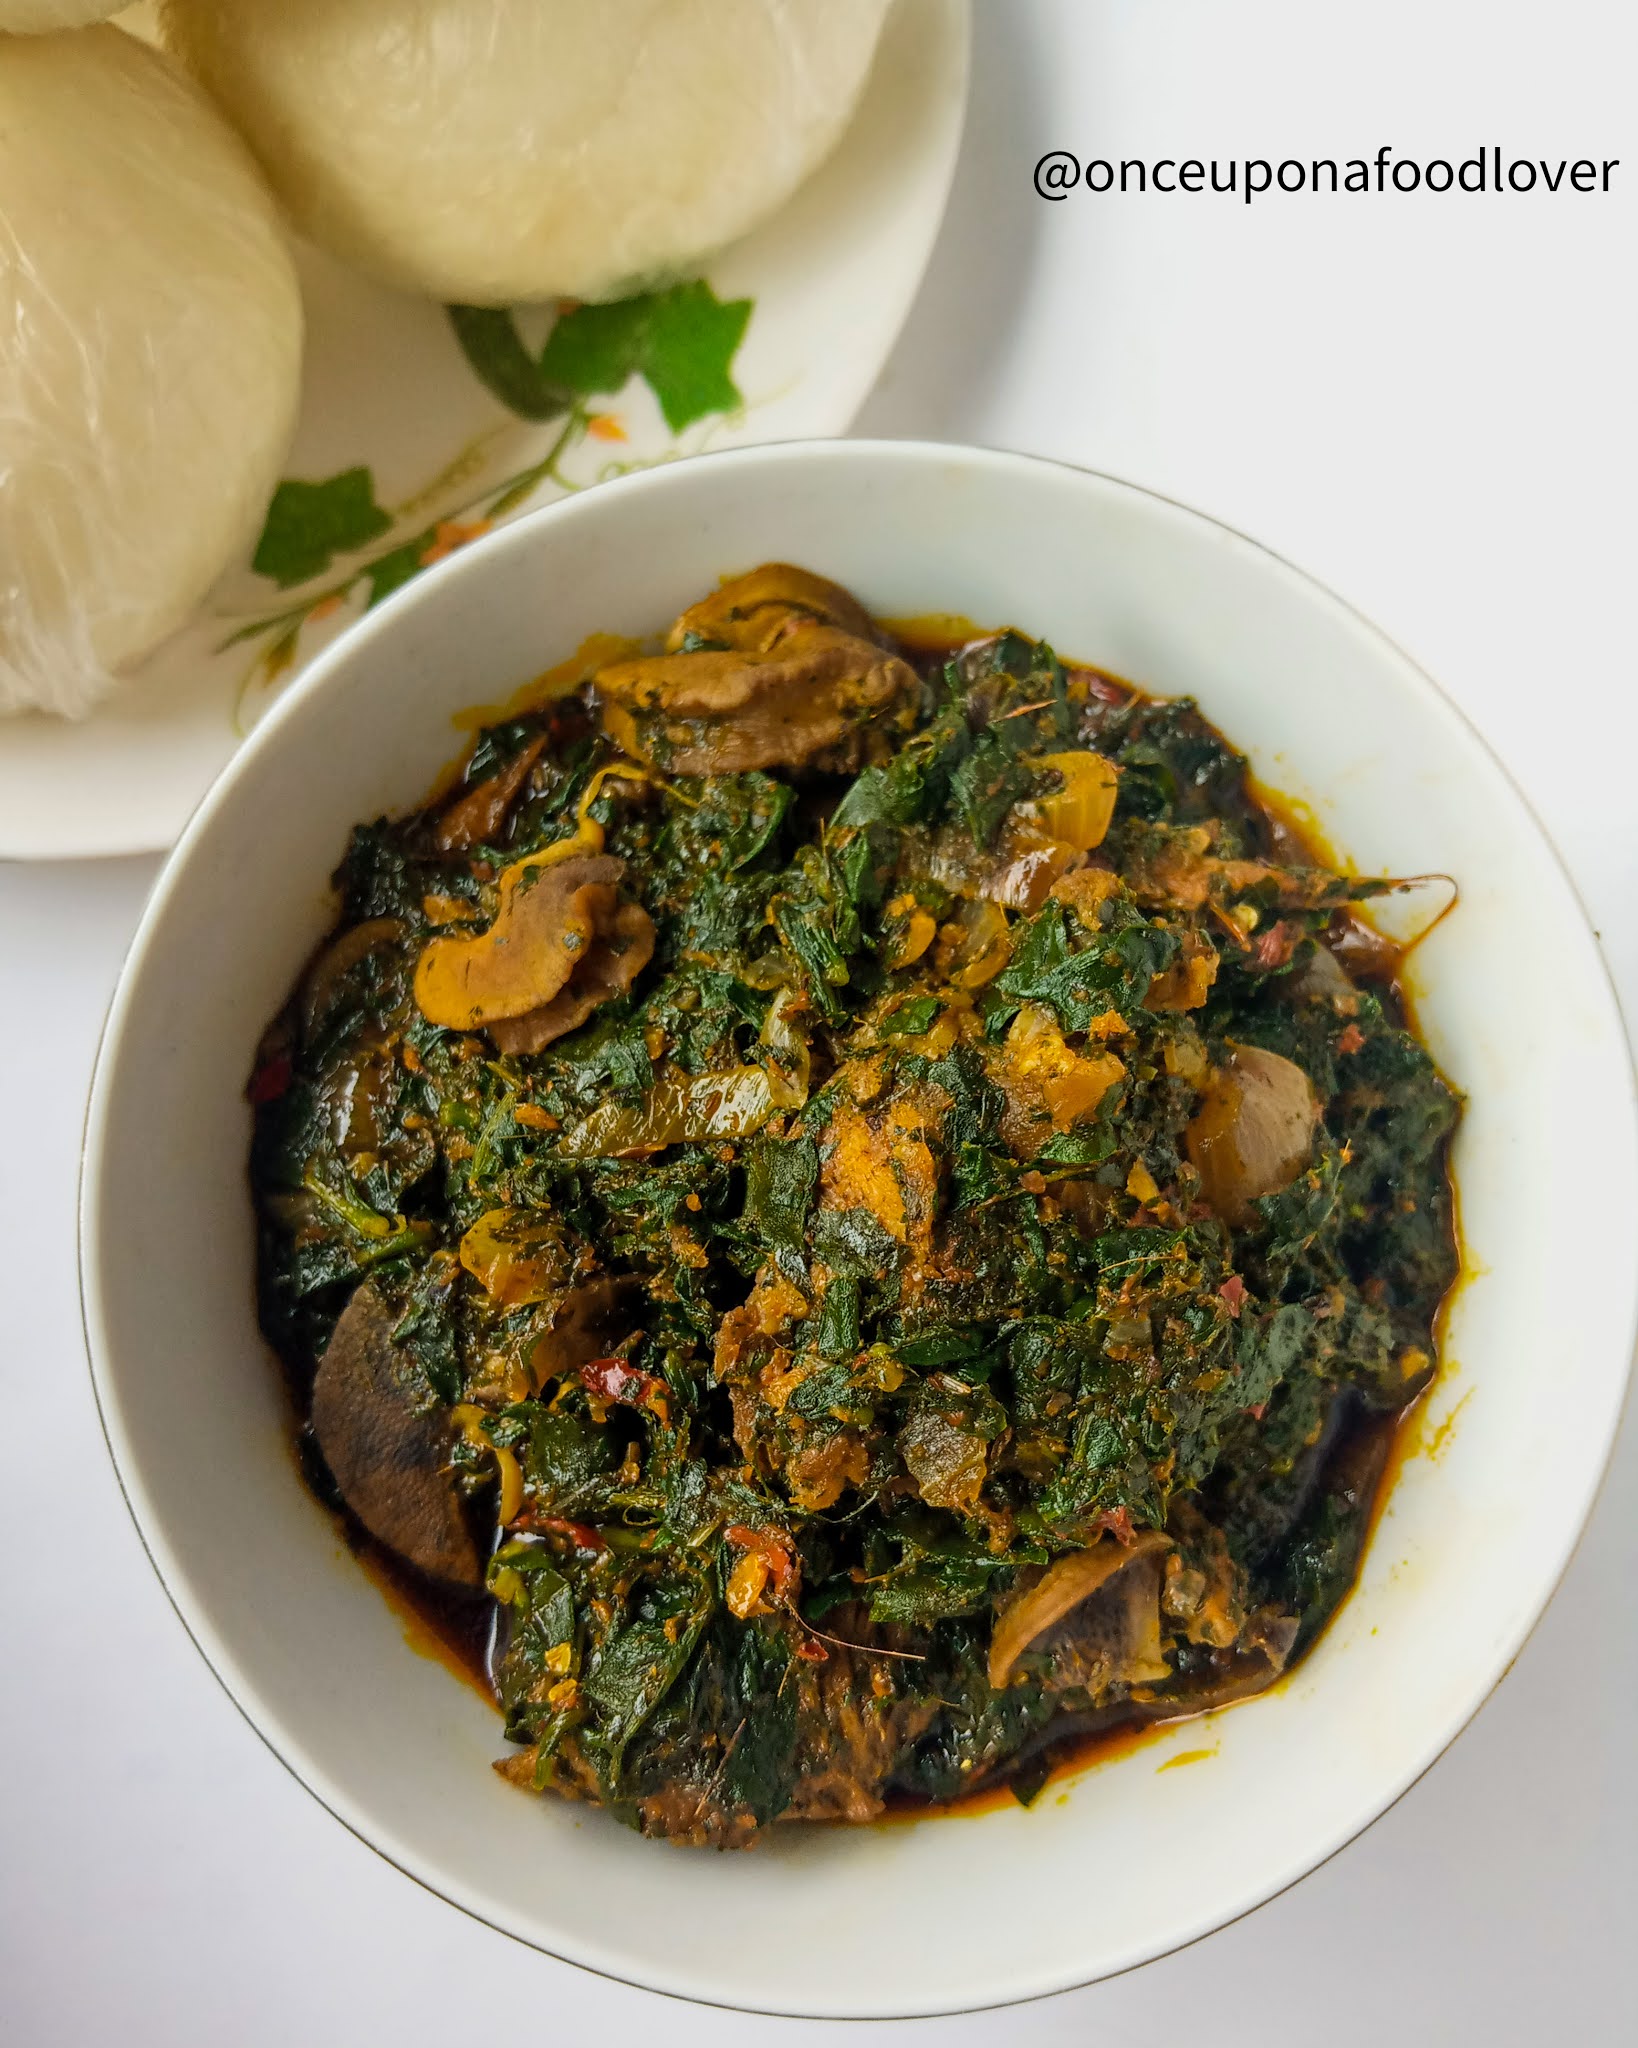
[1005, 1171]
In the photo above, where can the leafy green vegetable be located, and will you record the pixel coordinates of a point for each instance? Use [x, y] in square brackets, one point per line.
[780, 1177]
[634, 1673]
[885, 1294]
[1080, 983]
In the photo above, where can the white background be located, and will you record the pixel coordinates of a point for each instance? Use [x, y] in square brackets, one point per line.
[1427, 402]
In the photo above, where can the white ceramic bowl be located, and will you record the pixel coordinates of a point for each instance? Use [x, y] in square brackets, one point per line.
[1133, 1859]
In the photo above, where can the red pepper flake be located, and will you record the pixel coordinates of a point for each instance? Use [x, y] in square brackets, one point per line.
[1258, 1412]
[1232, 1294]
[612, 1379]
[1274, 947]
[269, 1082]
[1351, 1039]
[1118, 1522]
[774, 1551]
[812, 1651]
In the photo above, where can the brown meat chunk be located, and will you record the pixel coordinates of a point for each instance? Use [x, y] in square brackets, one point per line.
[621, 949]
[751, 611]
[797, 680]
[476, 816]
[387, 1449]
[562, 942]
[723, 713]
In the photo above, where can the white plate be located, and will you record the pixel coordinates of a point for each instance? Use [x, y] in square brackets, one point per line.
[388, 389]
[1132, 1857]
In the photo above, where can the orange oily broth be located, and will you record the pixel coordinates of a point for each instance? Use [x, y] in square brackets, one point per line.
[447, 1631]
[429, 1622]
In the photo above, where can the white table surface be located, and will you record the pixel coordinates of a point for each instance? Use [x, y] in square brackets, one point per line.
[1426, 402]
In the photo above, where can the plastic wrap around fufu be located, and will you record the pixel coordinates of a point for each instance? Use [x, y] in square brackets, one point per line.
[150, 357]
[490, 151]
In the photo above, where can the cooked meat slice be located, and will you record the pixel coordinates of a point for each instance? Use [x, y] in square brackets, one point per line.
[750, 611]
[476, 816]
[387, 1448]
[621, 949]
[795, 679]
[562, 942]
[723, 712]
[1113, 1638]
[337, 959]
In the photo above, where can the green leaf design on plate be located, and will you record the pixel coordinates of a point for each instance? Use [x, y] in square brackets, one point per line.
[492, 345]
[391, 572]
[308, 524]
[681, 341]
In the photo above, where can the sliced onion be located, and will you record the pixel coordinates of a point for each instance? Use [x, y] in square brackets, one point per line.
[1080, 813]
[680, 1109]
[1066, 1585]
[975, 945]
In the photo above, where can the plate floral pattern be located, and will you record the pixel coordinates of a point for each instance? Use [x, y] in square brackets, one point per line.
[680, 343]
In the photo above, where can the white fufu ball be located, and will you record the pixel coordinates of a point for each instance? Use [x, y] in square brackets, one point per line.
[490, 151]
[150, 358]
[37, 17]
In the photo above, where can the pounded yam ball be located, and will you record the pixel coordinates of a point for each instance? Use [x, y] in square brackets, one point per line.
[150, 359]
[36, 17]
[490, 151]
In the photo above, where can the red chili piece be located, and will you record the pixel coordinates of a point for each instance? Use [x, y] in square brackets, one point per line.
[774, 1551]
[612, 1379]
[1232, 1294]
[269, 1082]
[581, 1534]
[1274, 947]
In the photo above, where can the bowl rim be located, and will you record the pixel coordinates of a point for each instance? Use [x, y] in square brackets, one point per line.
[290, 1750]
